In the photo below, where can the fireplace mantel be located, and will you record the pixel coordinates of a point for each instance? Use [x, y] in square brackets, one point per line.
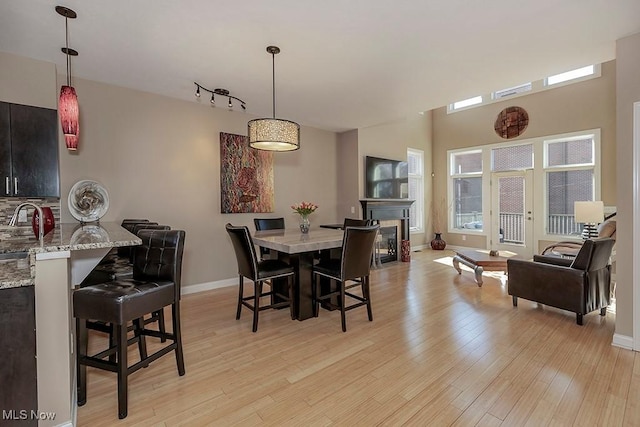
[388, 209]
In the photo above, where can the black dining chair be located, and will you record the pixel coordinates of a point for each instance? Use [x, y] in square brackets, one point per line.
[353, 266]
[259, 272]
[355, 222]
[267, 224]
[157, 271]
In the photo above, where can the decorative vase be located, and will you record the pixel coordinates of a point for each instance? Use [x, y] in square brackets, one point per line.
[438, 244]
[47, 221]
[304, 224]
[405, 251]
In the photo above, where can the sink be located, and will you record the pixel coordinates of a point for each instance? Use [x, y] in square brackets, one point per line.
[13, 255]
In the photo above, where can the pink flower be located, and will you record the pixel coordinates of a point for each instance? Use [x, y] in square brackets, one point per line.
[304, 208]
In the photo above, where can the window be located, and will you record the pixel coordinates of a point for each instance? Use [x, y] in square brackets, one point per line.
[467, 102]
[415, 159]
[570, 75]
[570, 177]
[466, 183]
[503, 93]
[565, 169]
[573, 76]
[515, 157]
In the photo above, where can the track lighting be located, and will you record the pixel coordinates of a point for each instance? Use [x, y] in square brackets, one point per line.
[221, 92]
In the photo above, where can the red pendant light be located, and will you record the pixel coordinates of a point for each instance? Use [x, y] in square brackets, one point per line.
[68, 103]
[69, 117]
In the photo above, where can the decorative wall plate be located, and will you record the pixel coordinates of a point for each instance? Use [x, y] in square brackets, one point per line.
[88, 201]
[511, 122]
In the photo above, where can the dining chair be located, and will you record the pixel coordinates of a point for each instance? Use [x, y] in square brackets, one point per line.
[355, 222]
[353, 266]
[259, 271]
[267, 224]
[157, 271]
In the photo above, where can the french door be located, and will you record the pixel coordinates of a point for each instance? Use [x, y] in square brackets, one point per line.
[512, 213]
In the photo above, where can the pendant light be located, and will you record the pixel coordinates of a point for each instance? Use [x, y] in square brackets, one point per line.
[273, 134]
[68, 103]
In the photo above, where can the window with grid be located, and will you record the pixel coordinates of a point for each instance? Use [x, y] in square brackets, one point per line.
[415, 160]
[570, 177]
[466, 181]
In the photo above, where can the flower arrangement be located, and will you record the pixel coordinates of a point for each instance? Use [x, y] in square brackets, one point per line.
[304, 208]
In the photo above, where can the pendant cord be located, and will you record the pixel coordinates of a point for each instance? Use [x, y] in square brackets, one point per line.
[66, 30]
[273, 72]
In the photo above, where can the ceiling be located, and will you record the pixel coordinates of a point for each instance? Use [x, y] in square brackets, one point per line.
[344, 64]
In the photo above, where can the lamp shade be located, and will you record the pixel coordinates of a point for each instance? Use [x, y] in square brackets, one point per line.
[589, 212]
[273, 134]
[69, 116]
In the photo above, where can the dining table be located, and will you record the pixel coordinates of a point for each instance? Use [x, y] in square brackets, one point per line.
[300, 250]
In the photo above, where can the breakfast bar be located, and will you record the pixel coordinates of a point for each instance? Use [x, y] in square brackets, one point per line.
[53, 268]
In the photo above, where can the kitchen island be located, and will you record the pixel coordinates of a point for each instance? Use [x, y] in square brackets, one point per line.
[66, 256]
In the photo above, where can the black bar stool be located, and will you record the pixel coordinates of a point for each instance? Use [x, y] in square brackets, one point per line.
[156, 280]
[354, 265]
[258, 272]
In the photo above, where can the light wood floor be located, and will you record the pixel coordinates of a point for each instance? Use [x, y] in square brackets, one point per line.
[440, 351]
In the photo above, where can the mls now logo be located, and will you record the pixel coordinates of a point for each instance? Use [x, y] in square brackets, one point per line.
[24, 414]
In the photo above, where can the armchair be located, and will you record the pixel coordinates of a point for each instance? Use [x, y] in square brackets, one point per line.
[571, 248]
[580, 285]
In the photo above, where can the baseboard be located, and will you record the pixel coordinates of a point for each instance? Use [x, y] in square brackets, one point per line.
[202, 287]
[622, 341]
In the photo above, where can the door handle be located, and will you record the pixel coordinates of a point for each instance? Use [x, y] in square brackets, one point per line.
[7, 189]
[15, 185]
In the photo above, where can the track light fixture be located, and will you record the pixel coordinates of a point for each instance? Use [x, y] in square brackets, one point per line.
[221, 92]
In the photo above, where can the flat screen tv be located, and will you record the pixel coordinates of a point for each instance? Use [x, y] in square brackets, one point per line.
[386, 178]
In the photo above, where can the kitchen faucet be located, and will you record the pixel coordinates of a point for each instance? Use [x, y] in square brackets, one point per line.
[14, 219]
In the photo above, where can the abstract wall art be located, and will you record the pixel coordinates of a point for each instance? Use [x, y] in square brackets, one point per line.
[246, 176]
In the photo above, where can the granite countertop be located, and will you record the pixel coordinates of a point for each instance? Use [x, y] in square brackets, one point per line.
[292, 241]
[65, 237]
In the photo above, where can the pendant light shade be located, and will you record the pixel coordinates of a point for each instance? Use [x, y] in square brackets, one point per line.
[273, 134]
[69, 117]
[68, 103]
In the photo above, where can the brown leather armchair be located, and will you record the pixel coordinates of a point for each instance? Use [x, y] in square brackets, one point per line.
[570, 249]
[581, 285]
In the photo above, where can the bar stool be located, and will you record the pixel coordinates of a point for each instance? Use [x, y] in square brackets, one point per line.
[267, 224]
[156, 281]
[258, 272]
[354, 265]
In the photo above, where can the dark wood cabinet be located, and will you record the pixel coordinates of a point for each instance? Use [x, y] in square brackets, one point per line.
[29, 164]
[18, 371]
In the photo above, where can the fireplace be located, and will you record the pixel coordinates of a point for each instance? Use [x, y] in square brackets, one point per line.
[386, 210]
[388, 243]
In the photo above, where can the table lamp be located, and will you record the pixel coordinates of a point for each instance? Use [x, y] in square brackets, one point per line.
[589, 213]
